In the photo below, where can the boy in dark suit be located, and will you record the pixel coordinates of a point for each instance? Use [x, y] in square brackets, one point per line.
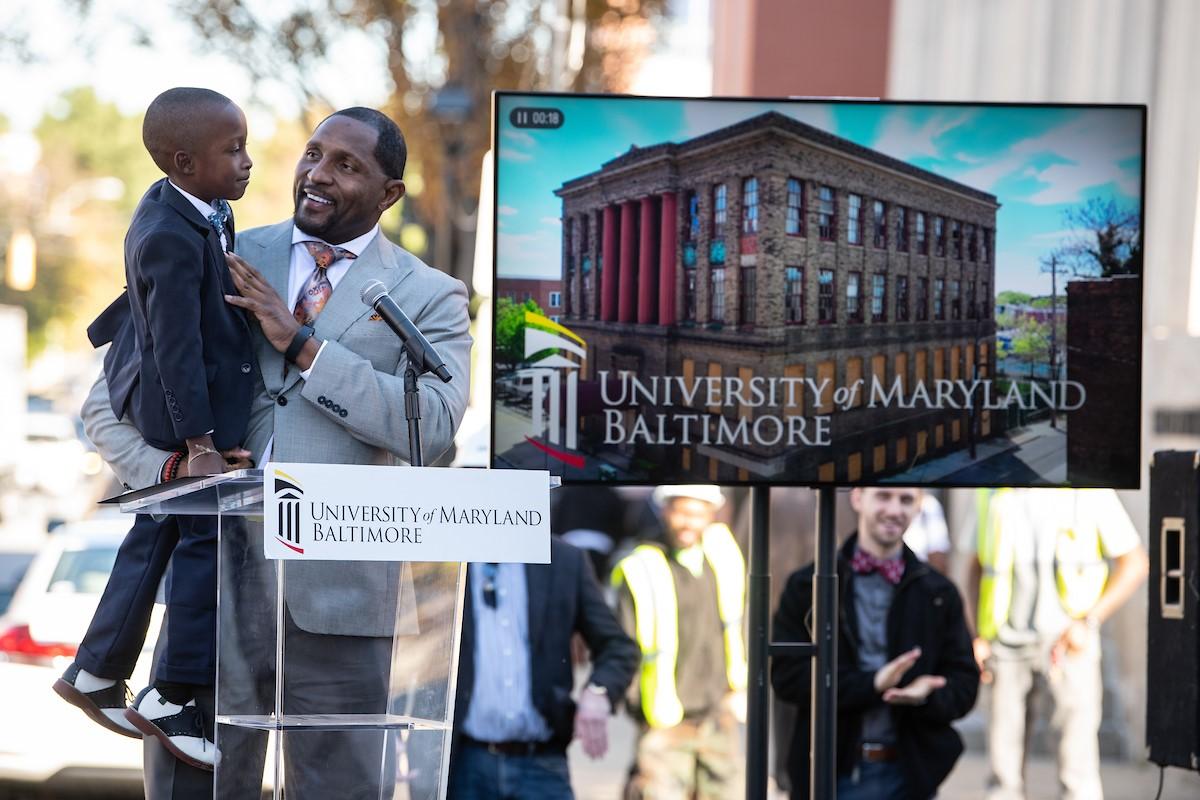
[181, 367]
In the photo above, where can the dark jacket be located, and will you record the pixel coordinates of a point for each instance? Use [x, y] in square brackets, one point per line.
[564, 597]
[182, 362]
[926, 611]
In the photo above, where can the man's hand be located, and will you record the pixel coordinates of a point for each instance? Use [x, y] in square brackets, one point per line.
[591, 722]
[237, 458]
[983, 651]
[260, 298]
[916, 692]
[1072, 641]
[890, 673]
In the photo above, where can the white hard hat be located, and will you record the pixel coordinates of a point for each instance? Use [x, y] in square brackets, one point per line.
[706, 493]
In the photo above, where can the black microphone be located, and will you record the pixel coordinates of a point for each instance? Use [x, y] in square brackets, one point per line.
[420, 351]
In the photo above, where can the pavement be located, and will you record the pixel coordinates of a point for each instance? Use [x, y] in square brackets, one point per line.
[1123, 780]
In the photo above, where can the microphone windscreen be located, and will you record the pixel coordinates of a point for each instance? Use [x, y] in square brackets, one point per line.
[372, 292]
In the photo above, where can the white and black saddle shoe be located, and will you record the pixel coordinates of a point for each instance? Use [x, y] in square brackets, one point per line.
[105, 705]
[180, 729]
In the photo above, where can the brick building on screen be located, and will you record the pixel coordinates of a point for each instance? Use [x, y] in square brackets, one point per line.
[772, 248]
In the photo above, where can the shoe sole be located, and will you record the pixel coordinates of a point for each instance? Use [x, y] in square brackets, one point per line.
[85, 704]
[148, 728]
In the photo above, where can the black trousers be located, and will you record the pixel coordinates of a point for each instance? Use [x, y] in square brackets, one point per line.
[115, 637]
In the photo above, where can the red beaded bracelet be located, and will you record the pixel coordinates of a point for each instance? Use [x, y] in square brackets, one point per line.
[170, 467]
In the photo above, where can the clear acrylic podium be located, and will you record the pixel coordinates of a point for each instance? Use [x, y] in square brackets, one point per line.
[345, 698]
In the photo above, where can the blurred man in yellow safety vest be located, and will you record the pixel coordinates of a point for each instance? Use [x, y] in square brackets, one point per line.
[683, 600]
[1042, 584]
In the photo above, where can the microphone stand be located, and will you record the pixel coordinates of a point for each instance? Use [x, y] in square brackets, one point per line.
[412, 413]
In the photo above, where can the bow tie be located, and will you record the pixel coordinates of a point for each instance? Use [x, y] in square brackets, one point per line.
[892, 569]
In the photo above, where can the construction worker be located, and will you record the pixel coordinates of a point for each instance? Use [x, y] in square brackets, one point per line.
[1042, 584]
[683, 599]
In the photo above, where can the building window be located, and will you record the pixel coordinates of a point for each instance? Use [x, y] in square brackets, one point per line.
[716, 307]
[922, 299]
[826, 297]
[793, 295]
[878, 297]
[902, 229]
[826, 213]
[902, 298]
[854, 220]
[555, 299]
[956, 238]
[585, 294]
[746, 296]
[970, 299]
[922, 235]
[528, 296]
[987, 245]
[939, 298]
[691, 231]
[718, 211]
[689, 294]
[795, 207]
[750, 206]
[939, 236]
[854, 297]
[972, 244]
[879, 214]
[985, 301]
[955, 299]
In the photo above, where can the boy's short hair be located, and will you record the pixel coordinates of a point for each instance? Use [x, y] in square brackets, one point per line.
[175, 121]
[390, 150]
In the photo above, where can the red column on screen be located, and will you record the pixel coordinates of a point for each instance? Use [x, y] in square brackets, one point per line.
[647, 301]
[608, 275]
[668, 236]
[627, 283]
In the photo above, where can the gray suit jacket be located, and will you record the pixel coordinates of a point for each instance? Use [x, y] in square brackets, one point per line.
[361, 371]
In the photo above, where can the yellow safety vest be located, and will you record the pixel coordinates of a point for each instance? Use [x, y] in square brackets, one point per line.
[1080, 570]
[656, 611]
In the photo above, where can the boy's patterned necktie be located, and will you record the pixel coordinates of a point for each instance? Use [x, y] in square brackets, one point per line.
[218, 218]
[316, 290]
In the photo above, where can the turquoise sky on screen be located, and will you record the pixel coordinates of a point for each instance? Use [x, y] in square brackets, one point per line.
[1038, 161]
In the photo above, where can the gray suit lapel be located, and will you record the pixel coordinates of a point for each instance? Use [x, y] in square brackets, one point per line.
[378, 262]
[271, 255]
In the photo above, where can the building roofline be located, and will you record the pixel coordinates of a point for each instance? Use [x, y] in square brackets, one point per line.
[638, 156]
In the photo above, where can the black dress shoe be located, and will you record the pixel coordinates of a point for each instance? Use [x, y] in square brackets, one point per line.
[105, 706]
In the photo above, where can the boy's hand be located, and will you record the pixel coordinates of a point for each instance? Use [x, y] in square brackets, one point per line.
[260, 298]
[206, 464]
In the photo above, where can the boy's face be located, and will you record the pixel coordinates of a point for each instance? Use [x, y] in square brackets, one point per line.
[221, 163]
[341, 190]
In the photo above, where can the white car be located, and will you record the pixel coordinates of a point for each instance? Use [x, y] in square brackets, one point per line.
[44, 740]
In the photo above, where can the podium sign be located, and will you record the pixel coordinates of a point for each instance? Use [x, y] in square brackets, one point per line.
[343, 512]
[338, 646]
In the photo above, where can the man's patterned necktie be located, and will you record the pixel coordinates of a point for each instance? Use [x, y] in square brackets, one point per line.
[218, 218]
[316, 290]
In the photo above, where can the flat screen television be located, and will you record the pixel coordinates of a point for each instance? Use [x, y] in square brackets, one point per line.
[804, 292]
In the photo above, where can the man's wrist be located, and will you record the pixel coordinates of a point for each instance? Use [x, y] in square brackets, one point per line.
[308, 354]
[300, 338]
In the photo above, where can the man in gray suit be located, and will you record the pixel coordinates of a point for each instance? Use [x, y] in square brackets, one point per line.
[330, 390]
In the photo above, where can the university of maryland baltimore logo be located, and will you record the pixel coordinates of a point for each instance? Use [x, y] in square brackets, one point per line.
[288, 494]
[560, 427]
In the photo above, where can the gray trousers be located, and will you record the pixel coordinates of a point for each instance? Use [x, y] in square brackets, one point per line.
[1076, 688]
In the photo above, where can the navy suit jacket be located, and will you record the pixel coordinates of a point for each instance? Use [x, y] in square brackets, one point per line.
[181, 362]
[564, 597]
